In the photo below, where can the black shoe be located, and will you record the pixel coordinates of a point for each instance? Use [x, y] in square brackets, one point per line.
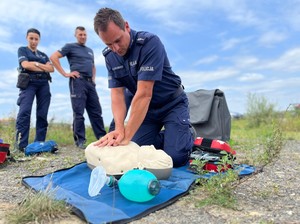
[22, 149]
[81, 145]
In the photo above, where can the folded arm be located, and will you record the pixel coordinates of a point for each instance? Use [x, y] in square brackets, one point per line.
[37, 67]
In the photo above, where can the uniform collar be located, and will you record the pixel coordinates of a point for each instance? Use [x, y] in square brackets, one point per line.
[33, 51]
[132, 40]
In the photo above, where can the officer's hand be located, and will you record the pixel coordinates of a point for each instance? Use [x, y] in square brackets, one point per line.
[109, 139]
[124, 142]
[73, 75]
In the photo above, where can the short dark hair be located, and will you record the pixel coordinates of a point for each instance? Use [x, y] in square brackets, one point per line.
[106, 15]
[80, 28]
[33, 30]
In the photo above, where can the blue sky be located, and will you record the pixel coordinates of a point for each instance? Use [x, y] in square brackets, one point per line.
[239, 46]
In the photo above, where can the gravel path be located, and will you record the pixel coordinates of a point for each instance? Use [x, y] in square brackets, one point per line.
[272, 196]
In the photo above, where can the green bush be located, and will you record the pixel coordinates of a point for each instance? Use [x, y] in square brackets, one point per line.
[259, 110]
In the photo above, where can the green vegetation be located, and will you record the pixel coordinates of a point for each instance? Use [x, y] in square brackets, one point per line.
[218, 190]
[59, 132]
[38, 208]
[257, 138]
[259, 111]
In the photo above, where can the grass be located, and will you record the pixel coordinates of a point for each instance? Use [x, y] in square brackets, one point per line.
[218, 190]
[38, 208]
[257, 145]
[257, 139]
[60, 132]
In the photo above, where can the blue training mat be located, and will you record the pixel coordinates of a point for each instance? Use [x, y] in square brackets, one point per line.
[71, 185]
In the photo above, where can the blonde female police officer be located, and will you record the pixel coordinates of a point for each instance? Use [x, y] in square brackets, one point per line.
[38, 66]
[138, 61]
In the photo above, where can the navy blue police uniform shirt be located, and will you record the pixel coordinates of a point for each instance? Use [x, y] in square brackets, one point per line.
[25, 54]
[146, 59]
[80, 58]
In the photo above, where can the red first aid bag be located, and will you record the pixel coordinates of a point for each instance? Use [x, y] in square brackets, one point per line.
[212, 151]
[213, 145]
[4, 151]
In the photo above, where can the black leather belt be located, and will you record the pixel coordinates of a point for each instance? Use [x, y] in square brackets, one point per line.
[40, 76]
[89, 79]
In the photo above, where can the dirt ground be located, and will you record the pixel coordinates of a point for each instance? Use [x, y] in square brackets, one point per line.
[271, 196]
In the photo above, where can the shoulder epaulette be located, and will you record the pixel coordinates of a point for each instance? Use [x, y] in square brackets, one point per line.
[142, 37]
[140, 40]
[106, 51]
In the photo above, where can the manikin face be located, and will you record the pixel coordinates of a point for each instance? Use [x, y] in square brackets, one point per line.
[33, 40]
[81, 36]
[116, 39]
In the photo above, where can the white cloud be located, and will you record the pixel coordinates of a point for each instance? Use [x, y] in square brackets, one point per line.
[9, 47]
[275, 91]
[251, 77]
[245, 61]
[49, 16]
[207, 60]
[270, 86]
[239, 12]
[99, 59]
[193, 79]
[9, 80]
[272, 37]
[42, 12]
[290, 16]
[5, 34]
[258, 47]
[287, 62]
[233, 42]
[176, 18]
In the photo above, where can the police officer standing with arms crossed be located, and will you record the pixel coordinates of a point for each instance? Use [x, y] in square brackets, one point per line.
[36, 66]
[138, 61]
[82, 86]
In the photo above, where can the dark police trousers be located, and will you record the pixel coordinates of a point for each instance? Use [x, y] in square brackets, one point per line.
[176, 138]
[84, 96]
[40, 89]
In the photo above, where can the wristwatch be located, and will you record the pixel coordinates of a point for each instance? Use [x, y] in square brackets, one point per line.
[37, 64]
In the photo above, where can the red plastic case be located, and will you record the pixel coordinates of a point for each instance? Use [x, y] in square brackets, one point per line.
[4, 149]
[213, 145]
[211, 148]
